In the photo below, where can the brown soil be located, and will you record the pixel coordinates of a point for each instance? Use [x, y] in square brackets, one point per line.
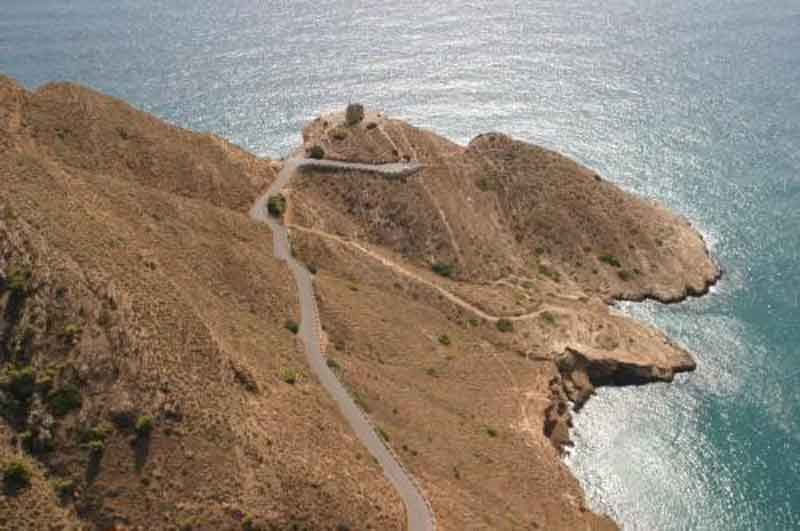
[131, 275]
[521, 233]
[465, 306]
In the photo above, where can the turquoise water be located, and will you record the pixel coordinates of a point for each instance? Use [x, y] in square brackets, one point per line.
[696, 103]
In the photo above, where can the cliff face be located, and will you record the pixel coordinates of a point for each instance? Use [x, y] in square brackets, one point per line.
[133, 286]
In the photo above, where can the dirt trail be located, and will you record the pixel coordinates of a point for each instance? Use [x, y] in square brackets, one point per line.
[452, 297]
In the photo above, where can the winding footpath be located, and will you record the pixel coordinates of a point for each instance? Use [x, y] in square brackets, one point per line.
[419, 512]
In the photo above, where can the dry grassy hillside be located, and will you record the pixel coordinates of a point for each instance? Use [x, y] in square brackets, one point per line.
[502, 209]
[466, 306]
[147, 379]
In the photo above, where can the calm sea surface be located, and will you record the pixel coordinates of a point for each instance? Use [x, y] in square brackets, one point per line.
[696, 103]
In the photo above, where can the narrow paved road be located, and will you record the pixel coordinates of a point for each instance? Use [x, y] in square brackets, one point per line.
[419, 513]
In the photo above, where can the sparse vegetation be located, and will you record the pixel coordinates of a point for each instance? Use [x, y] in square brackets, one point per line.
[548, 317]
[484, 184]
[96, 448]
[491, 432]
[382, 433]
[292, 326]
[187, 523]
[20, 382]
[442, 269]
[97, 433]
[360, 402]
[8, 213]
[332, 364]
[316, 152]
[72, 331]
[64, 488]
[430, 371]
[18, 281]
[276, 205]
[63, 400]
[250, 524]
[26, 440]
[289, 376]
[624, 275]
[144, 425]
[505, 325]
[552, 274]
[338, 133]
[610, 259]
[16, 475]
[444, 340]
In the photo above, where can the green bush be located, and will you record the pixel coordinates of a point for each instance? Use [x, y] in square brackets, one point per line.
[484, 184]
[19, 281]
[72, 330]
[16, 474]
[491, 432]
[144, 425]
[64, 488]
[45, 380]
[332, 364]
[610, 259]
[548, 317]
[276, 205]
[444, 339]
[338, 133]
[289, 376]
[8, 213]
[292, 326]
[552, 274]
[96, 447]
[316, 152]
[26, 440]
[97, 433]
[445, 270]
[63, 400]
[21, 382]
[505, 325]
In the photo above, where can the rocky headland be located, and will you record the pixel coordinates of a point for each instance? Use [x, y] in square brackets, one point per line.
[151, 373]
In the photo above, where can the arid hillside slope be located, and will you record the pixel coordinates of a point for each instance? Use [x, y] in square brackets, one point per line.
[147, 376]
[149, 373]
[501, 208]
[467, 305]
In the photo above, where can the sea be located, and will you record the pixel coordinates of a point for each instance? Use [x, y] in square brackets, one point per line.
[695, 103]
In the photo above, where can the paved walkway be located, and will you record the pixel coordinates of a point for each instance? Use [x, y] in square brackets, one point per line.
[418, 509]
